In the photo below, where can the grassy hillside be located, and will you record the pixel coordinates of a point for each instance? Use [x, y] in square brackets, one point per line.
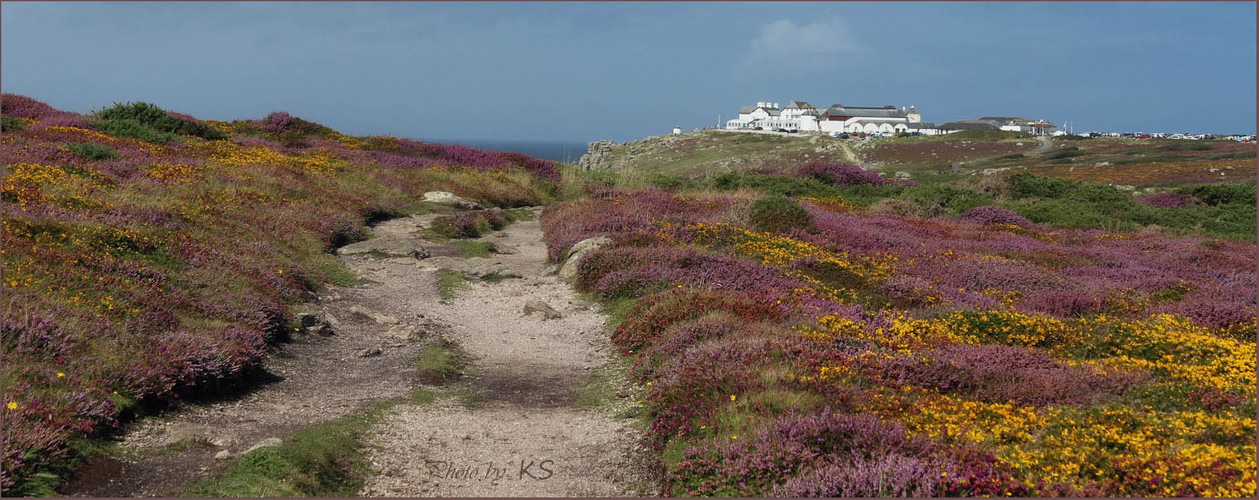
[715, 151]
[148, 255]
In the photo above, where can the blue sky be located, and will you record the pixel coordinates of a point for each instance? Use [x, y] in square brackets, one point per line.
[584, 71]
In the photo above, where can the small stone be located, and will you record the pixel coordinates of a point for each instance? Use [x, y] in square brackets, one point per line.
[539, 307]
[265, 443]
[223, 455]
[369, 352]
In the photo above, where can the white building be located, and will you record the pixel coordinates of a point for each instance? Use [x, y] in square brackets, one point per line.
[1016, 124]
[800, 116]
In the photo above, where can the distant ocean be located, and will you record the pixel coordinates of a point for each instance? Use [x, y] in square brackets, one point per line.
[567, 152]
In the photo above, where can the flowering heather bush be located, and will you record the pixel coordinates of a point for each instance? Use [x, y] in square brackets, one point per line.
[1030, 361]
[278, 121]
[168, 270]
[999, 374]
[790, 445]
[992, 214]
[654, 313]
[612, 212]
[843, 174]
[1166, 200]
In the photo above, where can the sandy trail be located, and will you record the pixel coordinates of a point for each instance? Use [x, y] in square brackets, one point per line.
[523, 377]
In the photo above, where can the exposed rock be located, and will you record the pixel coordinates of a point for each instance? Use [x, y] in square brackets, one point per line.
[504, 250]
[369, 352]
[195, 434]
[539, 307]
[595, 155]
[265, 443]
[901, 174]
[420, 253]
[451, 199]
[223, 455]
[377, 317]
[551, 270]
[579, 250]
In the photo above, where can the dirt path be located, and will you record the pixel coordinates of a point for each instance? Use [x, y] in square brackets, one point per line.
[850, 155]
[525, 371]
[523, 376]
[1045, 145]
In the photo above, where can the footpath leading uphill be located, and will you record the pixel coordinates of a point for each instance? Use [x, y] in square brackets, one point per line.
[504, 425]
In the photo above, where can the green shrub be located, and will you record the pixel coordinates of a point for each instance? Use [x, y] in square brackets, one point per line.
[779, 214]
[665, 181]
[133, 129]
[153, 117]
[92, 152]
[1222, 193]
[11, 123]
[954, 199]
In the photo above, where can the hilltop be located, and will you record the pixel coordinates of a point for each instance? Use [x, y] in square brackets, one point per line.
[1141, 163]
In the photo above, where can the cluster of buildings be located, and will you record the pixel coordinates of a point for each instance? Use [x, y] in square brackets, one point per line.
[1163, 135]
[802, 117]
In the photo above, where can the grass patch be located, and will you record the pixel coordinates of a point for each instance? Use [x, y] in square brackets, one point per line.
[469, 248]
[441, 362]
[449, 282]
[322, 460]
[422, 397]
[598, 389]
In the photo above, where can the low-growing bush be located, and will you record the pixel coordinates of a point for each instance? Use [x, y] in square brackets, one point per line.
[843, 174]
[653, 314]
[779, 214]
[951, 199]
[1222, 193]
[134, 118]
[993, 214]
[92, 152]
[10, 123]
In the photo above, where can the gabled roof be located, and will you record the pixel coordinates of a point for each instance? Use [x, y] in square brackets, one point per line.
[863, 112]
[800, 105]
[743, 110]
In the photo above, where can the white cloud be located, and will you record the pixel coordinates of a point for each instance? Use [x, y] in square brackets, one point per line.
[785, 44]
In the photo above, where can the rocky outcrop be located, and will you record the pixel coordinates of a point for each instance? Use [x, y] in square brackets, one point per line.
[579, 250]
[596, 154]
[451, 199]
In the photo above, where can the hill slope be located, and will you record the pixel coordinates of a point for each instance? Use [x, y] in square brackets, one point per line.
[149, 255]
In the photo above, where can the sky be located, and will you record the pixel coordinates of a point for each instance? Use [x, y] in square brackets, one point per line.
[583, 71]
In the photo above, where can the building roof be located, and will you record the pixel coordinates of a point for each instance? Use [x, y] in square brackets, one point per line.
[857, 111]
[968, 125]
[922, 125]
[743, 110]
[800, 105]
[773, 111]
